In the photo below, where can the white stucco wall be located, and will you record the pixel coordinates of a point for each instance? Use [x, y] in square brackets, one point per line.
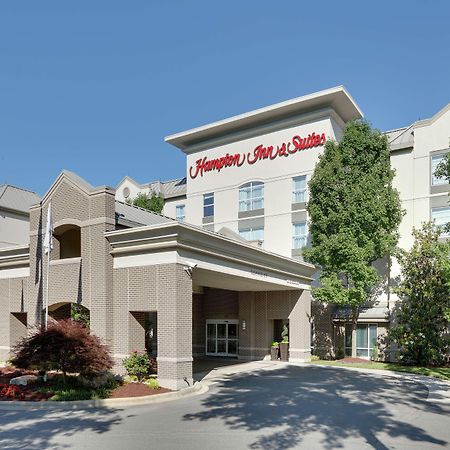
[276, 174]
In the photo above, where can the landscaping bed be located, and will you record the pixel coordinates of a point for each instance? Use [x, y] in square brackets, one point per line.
[55, 389]
[136, 390]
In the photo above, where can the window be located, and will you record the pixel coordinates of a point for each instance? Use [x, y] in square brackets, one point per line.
[208, 205]
[299, 235]
[299, 189]
[251, 196]
[179, 212]
[441, 217]
[366, 339]
[435, 160]
[253, 234]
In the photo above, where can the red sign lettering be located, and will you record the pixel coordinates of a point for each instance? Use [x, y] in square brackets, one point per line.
[297, 144]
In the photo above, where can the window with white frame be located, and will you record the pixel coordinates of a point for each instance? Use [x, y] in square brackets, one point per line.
[208, 205]
[180, 212]
[366, 339]
[441, 217]
[253, 234]
[435, 161]
[251, 196]
[299, 235]
[299, 189]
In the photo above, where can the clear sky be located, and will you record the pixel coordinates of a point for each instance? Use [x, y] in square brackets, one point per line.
[94, 86]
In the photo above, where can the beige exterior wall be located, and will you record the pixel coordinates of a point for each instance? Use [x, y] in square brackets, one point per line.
[14, 229]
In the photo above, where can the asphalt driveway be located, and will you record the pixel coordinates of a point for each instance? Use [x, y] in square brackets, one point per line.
[282, 408]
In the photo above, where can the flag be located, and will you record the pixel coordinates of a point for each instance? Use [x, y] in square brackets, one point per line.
[48, 241]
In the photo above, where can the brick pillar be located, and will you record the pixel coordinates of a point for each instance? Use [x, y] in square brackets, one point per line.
[4, 321]
[174, 327]
[300, 328]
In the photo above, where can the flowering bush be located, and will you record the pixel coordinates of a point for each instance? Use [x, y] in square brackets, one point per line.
[10, 392]
[137, 365]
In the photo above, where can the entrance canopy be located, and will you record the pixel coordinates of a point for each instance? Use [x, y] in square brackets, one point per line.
[212, 259]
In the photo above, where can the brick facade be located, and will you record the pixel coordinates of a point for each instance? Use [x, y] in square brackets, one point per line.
[136, 306]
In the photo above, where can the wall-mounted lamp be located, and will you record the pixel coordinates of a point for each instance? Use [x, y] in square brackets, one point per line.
[244, 325]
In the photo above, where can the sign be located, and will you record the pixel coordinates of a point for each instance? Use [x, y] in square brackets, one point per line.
[296, 144]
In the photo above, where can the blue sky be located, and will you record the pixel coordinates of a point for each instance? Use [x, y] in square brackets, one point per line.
[94, 86]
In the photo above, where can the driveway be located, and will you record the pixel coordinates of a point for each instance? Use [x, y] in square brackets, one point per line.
[270, 408]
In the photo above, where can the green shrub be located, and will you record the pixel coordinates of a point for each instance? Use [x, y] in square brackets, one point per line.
[339, 352]
[275, 344]
[375, 353]
[315, 358]
[137, 365]
[152, 383]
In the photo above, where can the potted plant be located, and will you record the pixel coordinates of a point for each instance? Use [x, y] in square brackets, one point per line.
[274, 351]
[284, 344]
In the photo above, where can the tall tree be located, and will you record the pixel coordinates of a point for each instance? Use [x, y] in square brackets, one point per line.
[354, 216]
[423, 315]
[152, 202]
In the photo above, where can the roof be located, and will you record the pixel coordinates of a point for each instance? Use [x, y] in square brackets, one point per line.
[337, 98]
[167, 189]
[173, 188]
[133, 216]
[401, 137]
[17, 199]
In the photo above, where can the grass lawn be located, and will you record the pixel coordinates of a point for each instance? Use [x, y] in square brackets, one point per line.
[438, 372]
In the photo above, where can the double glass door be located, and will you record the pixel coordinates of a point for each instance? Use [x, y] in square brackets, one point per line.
[222, 337]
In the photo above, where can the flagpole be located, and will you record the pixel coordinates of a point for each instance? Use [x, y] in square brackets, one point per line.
[46, 290]
[48, 247]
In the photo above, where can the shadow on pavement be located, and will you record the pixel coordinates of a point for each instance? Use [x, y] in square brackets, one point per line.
[288, 403]
[34, 430]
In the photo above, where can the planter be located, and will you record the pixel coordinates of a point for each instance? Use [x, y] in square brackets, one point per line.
[284, 351]
[274, 352]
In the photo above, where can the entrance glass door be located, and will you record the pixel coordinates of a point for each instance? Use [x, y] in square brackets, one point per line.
[222, 337]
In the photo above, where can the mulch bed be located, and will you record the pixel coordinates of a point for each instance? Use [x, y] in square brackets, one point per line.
[136, 390]
[354, 360]
[29, 393]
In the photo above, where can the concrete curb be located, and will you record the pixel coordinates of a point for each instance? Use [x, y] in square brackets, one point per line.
[197, 389]
[438, 390]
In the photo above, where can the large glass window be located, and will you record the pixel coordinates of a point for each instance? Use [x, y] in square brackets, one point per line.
[253, 234]
[251, 196]
[435, 160]
[441, 217]
[208, 205]
[299, 235]
[180, 212]
[366, 339]
[299, 189]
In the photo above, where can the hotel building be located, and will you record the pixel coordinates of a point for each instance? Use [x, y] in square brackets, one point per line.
[221, 271]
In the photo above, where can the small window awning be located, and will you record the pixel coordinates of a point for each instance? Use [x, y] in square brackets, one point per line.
[366, 314]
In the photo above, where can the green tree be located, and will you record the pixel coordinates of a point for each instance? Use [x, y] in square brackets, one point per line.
[423, 314]
[152, 202]
[354, 215]
[443, 168]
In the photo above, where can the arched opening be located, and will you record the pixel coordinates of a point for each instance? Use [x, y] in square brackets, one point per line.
[69, 240]
[67, 310]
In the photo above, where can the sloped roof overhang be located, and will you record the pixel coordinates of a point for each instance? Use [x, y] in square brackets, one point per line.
[336, 98]
[211, 252]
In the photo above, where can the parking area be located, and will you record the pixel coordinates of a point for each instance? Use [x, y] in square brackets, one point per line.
[272, 406]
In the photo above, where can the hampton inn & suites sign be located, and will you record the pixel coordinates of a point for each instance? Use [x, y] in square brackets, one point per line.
[296, 144]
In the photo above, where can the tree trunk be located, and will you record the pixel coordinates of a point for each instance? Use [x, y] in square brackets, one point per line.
[353, 339]
[355, 312]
